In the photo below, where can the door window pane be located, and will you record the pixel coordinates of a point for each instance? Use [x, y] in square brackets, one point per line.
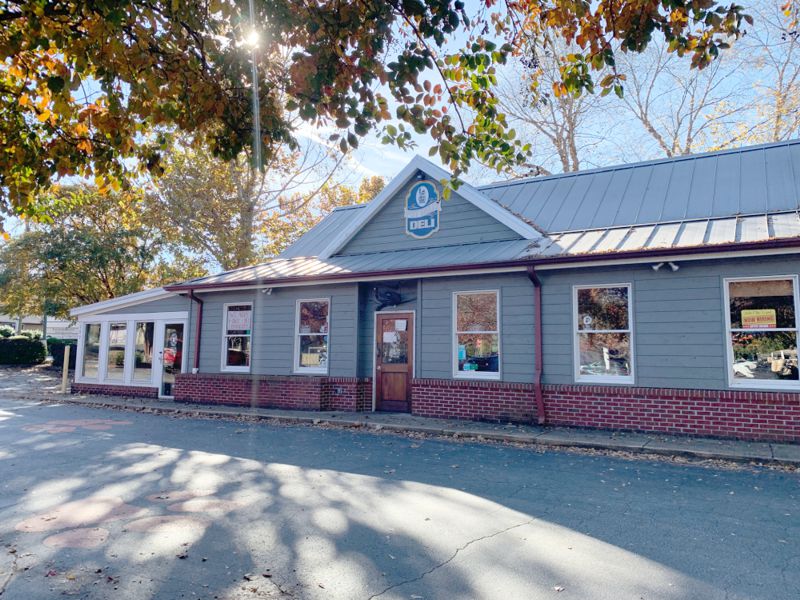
[763, 331]
[603, 333]
[312, 335]
[143, 352]
[394, 341]
[171, 357]
[477, 338]
[91, 351]
[117, 339]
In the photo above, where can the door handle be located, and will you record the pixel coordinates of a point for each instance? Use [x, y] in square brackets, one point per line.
[378, 367]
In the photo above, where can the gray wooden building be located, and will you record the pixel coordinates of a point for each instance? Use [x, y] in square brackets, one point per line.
[658, 296]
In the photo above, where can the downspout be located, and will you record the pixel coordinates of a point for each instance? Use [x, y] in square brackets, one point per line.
[537, 342]
[198, 329]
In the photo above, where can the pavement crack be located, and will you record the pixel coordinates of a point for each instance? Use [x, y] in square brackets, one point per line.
[452, 557]
[11, 573]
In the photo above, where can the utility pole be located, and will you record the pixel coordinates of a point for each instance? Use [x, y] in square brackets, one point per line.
[256, 103]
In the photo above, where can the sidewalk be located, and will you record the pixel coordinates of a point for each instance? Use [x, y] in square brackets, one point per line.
[698, 448]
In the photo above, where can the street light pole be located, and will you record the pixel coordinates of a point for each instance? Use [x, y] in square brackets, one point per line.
[256, 103]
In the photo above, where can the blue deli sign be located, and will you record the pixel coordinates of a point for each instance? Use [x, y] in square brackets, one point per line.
[422, 210]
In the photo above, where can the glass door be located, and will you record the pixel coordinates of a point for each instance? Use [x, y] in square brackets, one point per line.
[171, 358]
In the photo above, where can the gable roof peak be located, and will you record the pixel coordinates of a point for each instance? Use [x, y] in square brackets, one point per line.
[426, 167]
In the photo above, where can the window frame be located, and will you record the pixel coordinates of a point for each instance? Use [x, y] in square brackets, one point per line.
[576, 332]
[223, 358]
[296, 368]
[159, 319]
[757, 383]
[81, 353]
[125, 353]
[480, 375]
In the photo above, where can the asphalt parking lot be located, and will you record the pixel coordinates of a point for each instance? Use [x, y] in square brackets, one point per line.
[102, 503]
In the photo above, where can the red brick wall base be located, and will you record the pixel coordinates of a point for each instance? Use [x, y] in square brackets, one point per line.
[735, 414]
[475, 400]
[114, 390]
[293, 393]
[773, 416]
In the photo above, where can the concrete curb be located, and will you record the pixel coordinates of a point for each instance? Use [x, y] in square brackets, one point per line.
[767, 453]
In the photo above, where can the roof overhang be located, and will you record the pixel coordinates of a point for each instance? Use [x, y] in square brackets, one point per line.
[466, 191]
[720, 251]
[121, 302]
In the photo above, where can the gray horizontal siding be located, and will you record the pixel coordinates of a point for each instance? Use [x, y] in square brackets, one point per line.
[516, 324]
[678, 317]
[174, 303]
[366, 330]
[460, 222]
[273, 328]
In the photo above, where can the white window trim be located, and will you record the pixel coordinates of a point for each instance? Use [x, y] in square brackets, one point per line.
[223, 359]
[485, 375]
[576, 349]
[756, 383]
[127, 351]
[296, 368]
[158, 319]
[79, 376]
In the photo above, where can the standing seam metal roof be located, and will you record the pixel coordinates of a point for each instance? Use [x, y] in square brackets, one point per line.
[755, 179]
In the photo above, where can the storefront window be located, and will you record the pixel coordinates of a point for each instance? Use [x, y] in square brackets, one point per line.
[91, 351]
[312, 336]
[238, 332]
[477, 336]
[603, 334]
[115, 362]
[143, 352]
[763, 331]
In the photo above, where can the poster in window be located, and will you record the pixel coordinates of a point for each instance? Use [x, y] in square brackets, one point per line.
[759, 318]
[239, 320]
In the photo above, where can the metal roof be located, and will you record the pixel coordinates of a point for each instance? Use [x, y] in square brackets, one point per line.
[591, 243]
[730, 200]
[317, 237]
[751, 180]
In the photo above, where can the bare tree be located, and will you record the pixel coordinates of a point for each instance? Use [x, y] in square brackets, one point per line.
[562, 129]
[685, 110]
[774, 45]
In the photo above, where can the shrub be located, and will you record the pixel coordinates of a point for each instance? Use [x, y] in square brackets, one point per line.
[56, 347]
[31, 334]
[6, 331]
[21, 350]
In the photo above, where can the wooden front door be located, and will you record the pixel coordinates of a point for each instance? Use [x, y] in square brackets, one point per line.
[394, 361]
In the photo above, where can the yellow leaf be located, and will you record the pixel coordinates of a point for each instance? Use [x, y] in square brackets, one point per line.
[43, 116]
[24, 100]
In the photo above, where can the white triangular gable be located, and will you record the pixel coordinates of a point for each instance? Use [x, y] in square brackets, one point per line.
[466, 191]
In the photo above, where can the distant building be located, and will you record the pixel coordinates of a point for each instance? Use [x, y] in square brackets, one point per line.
[57, 328]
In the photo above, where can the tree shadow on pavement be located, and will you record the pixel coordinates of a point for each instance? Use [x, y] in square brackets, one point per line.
[205, 508]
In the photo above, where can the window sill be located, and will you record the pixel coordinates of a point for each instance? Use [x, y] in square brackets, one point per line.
[606, 380]
[485, 376]
[310, 372]
[765, 385]
[235, 370]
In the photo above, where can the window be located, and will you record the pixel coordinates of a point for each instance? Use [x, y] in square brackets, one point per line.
[115, 358]
[477, 335]
[91, 351]
[238, 331]
[603, 349]
[762, 332]
[143, 352]
[311, 345]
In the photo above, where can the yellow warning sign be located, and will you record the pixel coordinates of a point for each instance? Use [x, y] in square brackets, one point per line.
[760, 318]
